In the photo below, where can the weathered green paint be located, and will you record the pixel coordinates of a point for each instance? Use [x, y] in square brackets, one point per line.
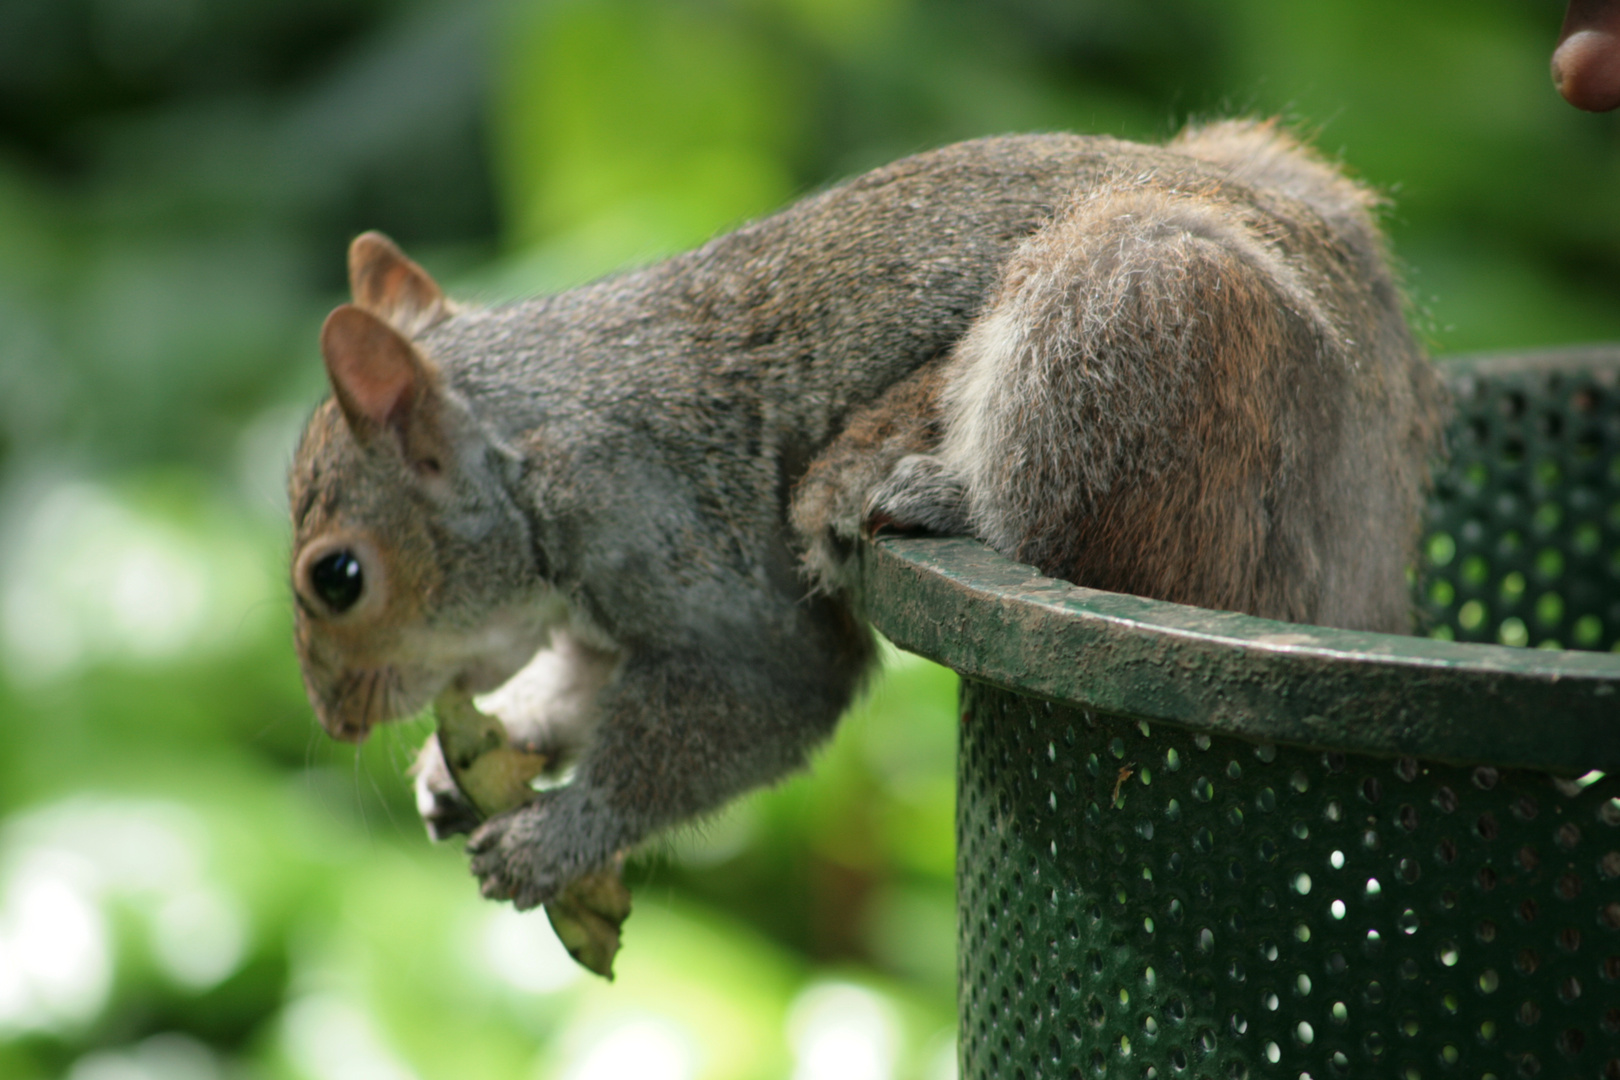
[1534, 437]
[959, 603]
[1196, 843]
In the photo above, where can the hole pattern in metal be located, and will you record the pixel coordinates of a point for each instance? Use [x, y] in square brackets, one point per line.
[1523, 536]
[1144, 902]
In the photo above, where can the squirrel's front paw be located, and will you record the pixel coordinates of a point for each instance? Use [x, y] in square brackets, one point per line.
[518, 855]
[444, 809]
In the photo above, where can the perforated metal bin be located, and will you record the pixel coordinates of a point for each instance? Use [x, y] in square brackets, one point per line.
[1199, 844]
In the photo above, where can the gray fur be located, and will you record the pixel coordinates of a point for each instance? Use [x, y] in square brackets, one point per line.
[1180, 370]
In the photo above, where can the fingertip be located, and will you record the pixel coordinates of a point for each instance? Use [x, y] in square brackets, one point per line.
[1586, 70]
[1586, 62]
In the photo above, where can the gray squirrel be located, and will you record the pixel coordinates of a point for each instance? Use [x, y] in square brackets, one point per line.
[1180, 371]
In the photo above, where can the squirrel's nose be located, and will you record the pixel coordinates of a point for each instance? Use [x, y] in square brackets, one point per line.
[351, 703]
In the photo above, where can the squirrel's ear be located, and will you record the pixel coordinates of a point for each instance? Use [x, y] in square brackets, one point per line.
[392, 287]
[381, 382]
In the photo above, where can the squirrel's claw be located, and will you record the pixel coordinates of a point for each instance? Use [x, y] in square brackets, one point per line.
[493, 890]
[444, 809]
[511, 859]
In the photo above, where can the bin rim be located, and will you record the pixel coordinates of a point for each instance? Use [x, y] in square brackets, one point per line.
[1598, 359]
[958, 602]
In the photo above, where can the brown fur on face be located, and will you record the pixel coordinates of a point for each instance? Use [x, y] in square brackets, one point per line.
[355, 665]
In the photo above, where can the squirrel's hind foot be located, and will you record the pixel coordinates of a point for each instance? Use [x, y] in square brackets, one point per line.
[919, 495]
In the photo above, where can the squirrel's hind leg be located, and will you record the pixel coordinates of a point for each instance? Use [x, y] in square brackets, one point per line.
[1141, 404]
[863, 478]
[922, 494]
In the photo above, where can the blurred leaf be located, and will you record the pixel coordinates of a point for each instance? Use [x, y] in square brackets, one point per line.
[636, 127]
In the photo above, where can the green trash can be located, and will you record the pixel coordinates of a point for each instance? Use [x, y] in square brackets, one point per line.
[1199, 844]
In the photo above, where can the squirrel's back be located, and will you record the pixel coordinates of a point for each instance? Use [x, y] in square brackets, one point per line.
[1193, 382]
[1179, 371]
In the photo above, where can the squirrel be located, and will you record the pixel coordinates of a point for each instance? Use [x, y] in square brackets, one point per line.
[1180, 371]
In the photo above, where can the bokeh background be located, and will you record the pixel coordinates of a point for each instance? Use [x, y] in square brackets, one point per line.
[194, 884]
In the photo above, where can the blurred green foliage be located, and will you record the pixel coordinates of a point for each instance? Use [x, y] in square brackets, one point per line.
[195, 884]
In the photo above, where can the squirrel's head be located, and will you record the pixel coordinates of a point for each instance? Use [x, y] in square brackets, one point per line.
[412, 566]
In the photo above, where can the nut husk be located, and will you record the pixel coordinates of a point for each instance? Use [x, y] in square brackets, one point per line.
[494, 775]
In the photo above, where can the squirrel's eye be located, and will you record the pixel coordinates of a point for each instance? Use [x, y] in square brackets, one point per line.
[337, 580]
